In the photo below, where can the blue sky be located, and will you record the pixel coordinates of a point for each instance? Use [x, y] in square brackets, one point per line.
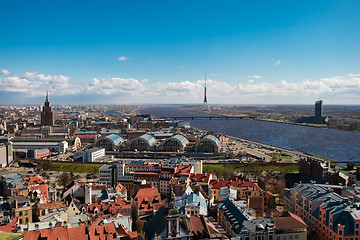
[158, 51]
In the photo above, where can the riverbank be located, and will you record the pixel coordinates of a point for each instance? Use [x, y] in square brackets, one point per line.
[343, 126]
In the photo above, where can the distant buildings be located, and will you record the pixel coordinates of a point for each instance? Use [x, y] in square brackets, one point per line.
[319, 109]
[318, 118]
[47, 114]
[6, 154]
[92, 154]
[54, 147]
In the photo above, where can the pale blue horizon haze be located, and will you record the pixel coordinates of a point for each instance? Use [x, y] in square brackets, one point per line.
[137, 52]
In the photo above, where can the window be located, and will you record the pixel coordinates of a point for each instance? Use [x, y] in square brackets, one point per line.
[20, 213]
[26, 212]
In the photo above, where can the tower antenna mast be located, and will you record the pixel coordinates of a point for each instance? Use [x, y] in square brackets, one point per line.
[205, 103]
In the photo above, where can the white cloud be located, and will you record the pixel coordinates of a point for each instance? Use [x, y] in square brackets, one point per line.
[5, 72]
[337, 88]
[255, 76]
[277, 62]
[122, 58]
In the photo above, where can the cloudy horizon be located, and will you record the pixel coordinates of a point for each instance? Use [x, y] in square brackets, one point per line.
[252, 52]
[253, 90]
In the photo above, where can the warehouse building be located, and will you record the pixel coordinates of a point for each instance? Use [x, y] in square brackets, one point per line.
[207, 144]
[176, 143]
[110, 142]
[143, 143]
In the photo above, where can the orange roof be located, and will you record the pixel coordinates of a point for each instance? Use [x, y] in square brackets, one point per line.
[10, 227]
[96, 232]
[146, 198]
[196, 225]
[43, 189]
[288, 220]
[104, 232]
[183, 169]
[200, 177]
[133, 235]
[58, 233]
[97, 187]
[34, 180]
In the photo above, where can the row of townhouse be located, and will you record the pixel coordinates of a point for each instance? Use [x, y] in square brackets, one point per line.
[326, 213]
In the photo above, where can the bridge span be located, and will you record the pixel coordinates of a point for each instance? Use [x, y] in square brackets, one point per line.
[205, 117]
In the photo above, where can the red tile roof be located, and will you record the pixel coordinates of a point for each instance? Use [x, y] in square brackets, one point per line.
[197, 226]
[94, 232]
[288, 221]
[9, 227]
[58, 233]
[200, 177]
[104, 232]
[107, 207]
[183, 169]
[34, 180]
[97, 187]
[146, 198]
[44, 191]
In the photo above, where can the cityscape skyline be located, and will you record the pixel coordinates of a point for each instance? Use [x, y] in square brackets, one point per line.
[254, 53]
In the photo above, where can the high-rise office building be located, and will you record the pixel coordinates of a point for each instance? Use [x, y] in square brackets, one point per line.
[47, 114]
[319, 108]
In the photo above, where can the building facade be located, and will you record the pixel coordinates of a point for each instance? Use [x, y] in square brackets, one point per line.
[326, 213]
[47, 114]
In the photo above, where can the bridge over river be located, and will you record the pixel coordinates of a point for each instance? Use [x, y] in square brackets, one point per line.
[206, 117]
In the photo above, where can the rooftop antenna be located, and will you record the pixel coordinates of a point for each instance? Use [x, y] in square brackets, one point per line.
[205, 103]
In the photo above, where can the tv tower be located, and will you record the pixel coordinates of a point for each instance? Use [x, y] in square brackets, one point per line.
[205, 104]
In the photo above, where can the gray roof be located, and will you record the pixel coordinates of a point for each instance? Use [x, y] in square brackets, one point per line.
[344, 212]
[106, 167]
[15, 144]
[148, 138]
[122, 220]
[115, 138]
[13, 179]
[211, 138]
[75, 220]
[84, 132]
[181, 138]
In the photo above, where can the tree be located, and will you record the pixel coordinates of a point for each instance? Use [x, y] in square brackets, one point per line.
[139, 225]
[261, 184]
[65, 179]
[46, 165]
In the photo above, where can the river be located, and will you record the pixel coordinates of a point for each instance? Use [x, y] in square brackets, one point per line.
[330, 143]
